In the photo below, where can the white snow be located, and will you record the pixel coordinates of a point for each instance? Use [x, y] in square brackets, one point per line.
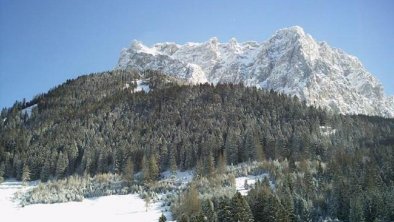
[198, 75]
[109, 208]
[142, 86]
[251, 180]
[179, 178]
[126, 86]
[28, 110]
[141, 48]
[327, 130]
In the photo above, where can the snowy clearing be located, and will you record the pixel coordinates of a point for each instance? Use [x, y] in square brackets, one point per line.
[115, 207]
[141, 85]
[250, 180]
[109, 208]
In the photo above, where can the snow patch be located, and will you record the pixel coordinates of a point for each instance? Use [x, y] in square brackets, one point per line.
[327, 130]
[139, 47]
[245, 183]
[198, 75]
[109, 208]
[126, 86]
[142, 85]
[28, 110]
[180, 178]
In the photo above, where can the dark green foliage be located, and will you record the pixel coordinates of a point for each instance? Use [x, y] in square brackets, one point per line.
[207, 209]
[240, 208]
[128, 171]
[264, 204]
[224, 211]
[198, 218]
[356, 210]
[61, 165]
[150, 169]
[184, 218]
[234, 209]
[92, 124]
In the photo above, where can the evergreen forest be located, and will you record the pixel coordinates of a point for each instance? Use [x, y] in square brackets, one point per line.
[323, 164]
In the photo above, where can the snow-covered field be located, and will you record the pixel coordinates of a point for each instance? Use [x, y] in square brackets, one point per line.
[116, 207]
[109, 208]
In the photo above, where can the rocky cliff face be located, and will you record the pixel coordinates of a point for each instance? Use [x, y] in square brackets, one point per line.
[291, 61]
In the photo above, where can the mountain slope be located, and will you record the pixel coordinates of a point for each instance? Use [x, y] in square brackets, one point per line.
[291, 61]
[130, 122]
[94, 123]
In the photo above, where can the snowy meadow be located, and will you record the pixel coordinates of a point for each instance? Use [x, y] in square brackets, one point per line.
[108, 208]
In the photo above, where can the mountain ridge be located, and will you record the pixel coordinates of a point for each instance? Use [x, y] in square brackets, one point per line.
[291, 61]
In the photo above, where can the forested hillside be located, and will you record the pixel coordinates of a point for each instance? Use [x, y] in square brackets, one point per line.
[100, 123]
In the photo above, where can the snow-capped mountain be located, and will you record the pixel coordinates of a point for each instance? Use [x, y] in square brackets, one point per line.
[291, 61]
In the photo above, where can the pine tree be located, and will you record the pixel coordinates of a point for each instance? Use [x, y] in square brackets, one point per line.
[53, 162]
[356, 210]
[207, 209]
[145, 169]
[173, 166]
[231, 149]
[240, 209]
[248, 151]
[61, 166]
[189, 202]
[263, 204]
[150, 170]
[153, 168]
[224, 212]
[45, 171]
[222, 163]
[287, 206]
[128, 171]
[210, 165]
[2, 172]
[17, 165]
[101, 163]
[162, 218]
[25, 173]
[259, 150]
[199, 169]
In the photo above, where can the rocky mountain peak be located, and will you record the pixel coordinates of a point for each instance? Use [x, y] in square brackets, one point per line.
[294, 32]
[291, 61]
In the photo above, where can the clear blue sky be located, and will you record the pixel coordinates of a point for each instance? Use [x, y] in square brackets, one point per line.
[43, 43]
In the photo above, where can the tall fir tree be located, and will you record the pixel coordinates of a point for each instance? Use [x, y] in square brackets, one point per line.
[240, 209]
[128, 171]
[25, 173]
